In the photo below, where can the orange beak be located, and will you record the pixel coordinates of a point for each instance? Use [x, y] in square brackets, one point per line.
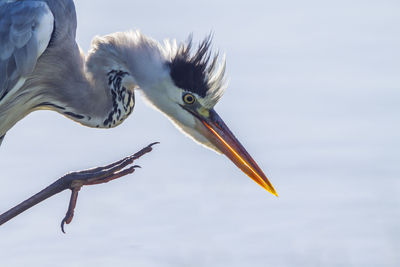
[220, 136]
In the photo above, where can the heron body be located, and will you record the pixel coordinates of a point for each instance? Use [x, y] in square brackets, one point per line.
[57, 79]
[42, 67]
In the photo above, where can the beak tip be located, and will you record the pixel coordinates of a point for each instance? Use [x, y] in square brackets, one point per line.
[266, 184]
[272, 191]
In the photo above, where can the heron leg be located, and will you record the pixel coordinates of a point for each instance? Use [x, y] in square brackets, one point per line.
[74, 181]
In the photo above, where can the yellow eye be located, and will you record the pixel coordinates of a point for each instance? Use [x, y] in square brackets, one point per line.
[189, 98]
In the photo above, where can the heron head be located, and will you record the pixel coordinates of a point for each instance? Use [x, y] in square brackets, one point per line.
[188, 95]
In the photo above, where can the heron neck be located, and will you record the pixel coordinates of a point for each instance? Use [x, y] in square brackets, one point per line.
[91, 97]
[116, 65]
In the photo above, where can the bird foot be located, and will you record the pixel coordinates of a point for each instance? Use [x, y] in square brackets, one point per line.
[74, 181]
[91, 179]
[98, 175]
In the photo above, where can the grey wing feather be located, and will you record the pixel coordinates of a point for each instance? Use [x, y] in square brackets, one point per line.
[1, 139]
[25, 32]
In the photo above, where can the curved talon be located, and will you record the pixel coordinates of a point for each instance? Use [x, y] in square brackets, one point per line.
[62, 225]
[152, 144]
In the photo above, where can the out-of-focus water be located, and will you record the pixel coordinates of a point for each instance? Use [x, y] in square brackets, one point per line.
[314, 96]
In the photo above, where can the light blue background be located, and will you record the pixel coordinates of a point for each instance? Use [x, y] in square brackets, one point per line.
[314, 97]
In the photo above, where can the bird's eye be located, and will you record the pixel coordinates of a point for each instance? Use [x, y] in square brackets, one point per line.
[189, 98]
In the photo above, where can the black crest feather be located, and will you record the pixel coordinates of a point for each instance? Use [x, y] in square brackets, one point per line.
[192, 71]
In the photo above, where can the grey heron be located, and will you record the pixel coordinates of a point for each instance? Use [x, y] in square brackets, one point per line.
[42, 67]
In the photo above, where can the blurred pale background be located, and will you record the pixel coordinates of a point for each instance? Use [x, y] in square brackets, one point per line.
[314, 96]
